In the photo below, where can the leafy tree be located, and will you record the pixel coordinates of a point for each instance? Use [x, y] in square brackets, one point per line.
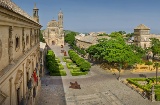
[104, 34]
[122, 32]
[156, 65]
[138, 50]
[114, 50]
[41, 37]
[70, 38]
[155, 46]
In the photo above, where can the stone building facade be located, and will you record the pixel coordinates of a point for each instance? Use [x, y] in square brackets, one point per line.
[88, 40]
[142, 36]
[19, 55]
[54, 34]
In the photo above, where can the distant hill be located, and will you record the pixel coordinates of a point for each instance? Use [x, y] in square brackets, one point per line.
[65, 31]
[69, 31]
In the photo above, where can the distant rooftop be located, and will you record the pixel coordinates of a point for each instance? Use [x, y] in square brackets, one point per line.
[8, 4]
[142, 26]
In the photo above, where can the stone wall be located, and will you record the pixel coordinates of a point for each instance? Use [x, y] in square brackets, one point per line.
[19, 57]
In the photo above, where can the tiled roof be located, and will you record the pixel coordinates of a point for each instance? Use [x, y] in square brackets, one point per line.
[8, 4]
[88, 38]
[142, 26]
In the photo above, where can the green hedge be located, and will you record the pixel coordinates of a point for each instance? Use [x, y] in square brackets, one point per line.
[58, 73]
[58, 60]
[53, 64]
[148, 86]
[60, 66]
[83, 64]
[76, 73]
[68, 66]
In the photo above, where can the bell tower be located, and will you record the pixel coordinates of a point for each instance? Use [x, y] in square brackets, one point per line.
[35, 13]
[60, 19]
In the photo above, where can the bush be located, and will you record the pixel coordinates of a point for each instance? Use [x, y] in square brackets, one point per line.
[76, 73]
[58, 73]
[52, 64]
[60, 66]
[68, 66]
[58, 60]
[157, 96]
[83, 64]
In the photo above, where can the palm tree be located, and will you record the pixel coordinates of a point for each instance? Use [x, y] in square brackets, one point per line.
[156, 65]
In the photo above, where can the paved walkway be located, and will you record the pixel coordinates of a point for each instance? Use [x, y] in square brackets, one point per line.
[97, 88]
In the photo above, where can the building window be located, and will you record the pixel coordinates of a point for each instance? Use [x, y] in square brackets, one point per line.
[17, 43]
[145, 46]
[27, 39]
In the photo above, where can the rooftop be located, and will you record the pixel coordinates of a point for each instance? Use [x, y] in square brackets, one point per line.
[142, 26]
[8, 4]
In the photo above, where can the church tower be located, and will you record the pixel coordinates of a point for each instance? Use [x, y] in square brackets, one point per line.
[35, 13]
[60, 19]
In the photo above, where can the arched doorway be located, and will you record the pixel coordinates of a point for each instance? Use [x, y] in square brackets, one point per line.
[53, 42]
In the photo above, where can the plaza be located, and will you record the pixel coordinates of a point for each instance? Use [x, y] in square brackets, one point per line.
[98, 87]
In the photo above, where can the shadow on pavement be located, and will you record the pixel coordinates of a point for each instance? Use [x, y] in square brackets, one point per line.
[52, 89]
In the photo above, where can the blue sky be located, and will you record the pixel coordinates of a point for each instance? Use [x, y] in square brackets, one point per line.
[98, 15]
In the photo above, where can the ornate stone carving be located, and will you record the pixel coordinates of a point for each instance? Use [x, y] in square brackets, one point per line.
[10, 48]
[23, 41]
[30, 37]
[8, 4]
[0, 48]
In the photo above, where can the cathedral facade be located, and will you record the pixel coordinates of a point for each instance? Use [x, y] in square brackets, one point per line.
[54, 34]
[19, 55]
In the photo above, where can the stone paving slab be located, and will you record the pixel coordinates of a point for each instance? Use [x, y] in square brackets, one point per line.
[100, 98]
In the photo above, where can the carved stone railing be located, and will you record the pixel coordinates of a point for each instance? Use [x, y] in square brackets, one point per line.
[8, 4]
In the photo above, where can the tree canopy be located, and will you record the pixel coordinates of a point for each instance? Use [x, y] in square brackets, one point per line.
[70, 38]
[114, 50]
[41, 36]
[155, 46]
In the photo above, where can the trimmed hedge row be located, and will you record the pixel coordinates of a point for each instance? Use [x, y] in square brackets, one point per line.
[67, 60]
[77, 72]
[58, 73]
[79, 50]
[138, 85]
[83, 64]
[53, 64]
[147, 87]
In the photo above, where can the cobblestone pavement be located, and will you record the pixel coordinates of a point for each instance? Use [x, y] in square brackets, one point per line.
[97, 88]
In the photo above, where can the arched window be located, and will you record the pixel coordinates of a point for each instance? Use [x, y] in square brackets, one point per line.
[17, 43]
[27, 39]
[144, 45]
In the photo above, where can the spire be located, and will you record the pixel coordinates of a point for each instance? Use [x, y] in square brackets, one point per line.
[35, 6]
[60, 12]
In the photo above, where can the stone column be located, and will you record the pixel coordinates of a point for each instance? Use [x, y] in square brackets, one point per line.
[10, 49]
[10, 85]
